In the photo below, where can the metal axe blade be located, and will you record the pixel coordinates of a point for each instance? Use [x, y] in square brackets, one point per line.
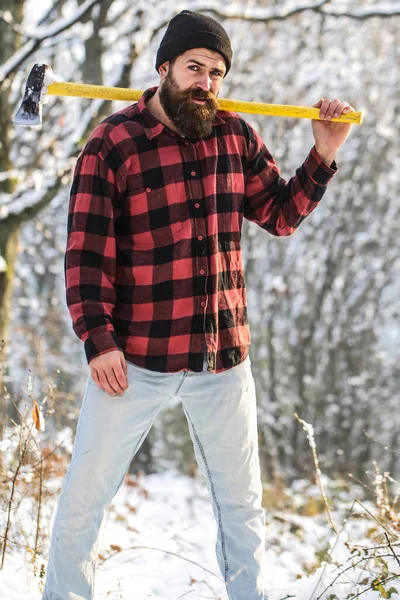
[30, 112]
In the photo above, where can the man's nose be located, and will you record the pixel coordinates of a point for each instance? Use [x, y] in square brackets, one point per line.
[204, 82]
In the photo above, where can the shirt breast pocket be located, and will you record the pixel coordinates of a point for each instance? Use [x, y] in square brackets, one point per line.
[157, 216]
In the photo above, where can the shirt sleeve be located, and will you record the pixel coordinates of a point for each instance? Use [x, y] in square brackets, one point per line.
[277, 205]
[90, 259]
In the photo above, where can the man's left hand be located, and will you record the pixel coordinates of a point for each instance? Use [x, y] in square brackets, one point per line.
[328, 135]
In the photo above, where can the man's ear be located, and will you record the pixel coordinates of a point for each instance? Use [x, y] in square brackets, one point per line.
[163, 69]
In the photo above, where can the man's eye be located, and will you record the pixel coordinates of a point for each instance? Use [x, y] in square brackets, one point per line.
[193, 67]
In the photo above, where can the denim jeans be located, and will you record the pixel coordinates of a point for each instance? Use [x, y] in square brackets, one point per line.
[221, 412]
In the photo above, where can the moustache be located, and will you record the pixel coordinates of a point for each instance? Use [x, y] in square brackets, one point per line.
[199, 95]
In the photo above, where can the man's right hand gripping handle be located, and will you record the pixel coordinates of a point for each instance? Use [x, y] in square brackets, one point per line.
[109, 371]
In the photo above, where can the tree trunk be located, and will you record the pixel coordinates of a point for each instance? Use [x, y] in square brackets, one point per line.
[10, 42]
[9, 249]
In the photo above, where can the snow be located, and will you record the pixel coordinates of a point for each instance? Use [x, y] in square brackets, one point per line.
[379, 8]
[40, 34]
[49, 77]
[3, 264]
[158, 538]
[356, 231]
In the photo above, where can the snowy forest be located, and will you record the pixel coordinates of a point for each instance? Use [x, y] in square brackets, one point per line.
[323, 304]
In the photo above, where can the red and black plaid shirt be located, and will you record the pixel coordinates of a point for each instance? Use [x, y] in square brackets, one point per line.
[153, 263]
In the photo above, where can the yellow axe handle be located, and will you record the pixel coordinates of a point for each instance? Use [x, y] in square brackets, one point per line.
[83, 90]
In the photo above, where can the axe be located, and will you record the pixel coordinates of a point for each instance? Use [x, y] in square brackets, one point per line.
[42, 82]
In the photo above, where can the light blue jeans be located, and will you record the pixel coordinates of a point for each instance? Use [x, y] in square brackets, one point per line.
[221, 412]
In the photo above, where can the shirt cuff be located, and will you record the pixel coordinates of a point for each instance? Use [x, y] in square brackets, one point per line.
[317, 169]
[100, 343]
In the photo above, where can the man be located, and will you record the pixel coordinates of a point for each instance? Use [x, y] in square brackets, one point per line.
[155, 289]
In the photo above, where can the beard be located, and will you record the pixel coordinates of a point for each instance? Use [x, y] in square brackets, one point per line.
[191, 120]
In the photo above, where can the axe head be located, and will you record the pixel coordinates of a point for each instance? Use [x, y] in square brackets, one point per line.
[30, 111]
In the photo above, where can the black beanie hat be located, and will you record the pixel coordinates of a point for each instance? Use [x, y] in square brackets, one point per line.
[193, 30]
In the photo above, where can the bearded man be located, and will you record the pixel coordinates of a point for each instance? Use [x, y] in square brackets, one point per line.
[155, 289]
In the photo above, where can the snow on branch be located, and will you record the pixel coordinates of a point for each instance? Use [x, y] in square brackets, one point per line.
[265, 15]
[29, 202]
[30, 199]
[42, 34]
[7, 17]
[383, 9]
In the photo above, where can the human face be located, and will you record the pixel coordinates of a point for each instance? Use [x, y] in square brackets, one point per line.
[189, 89]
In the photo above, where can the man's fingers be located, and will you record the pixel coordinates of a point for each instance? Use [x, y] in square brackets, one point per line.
[114, 382]
[109, 371]
[95, 377]
[330, 109]
[318, 104]
[120, 377]
[324, 109]
[123, 364]
[106, 383]
[342, 107]
[122, 372]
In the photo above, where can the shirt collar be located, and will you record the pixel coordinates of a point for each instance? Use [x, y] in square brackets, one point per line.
[153, 126]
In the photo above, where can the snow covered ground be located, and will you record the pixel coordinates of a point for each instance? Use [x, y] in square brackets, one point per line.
[157, 542]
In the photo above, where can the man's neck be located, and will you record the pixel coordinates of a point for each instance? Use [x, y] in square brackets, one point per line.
[154, 106]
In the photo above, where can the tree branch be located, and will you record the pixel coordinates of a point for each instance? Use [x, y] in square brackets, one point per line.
[61, 25]
[42, 34]
[56, 5]
[267, 15]
[102, 560]
[26, 205]
[7, 17]
[382, 11]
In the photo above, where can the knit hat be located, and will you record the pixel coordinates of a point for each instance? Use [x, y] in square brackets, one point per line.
[193, 30]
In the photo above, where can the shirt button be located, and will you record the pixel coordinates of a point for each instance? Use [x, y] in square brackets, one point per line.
[200, 237]
[197, 205]
[202, 272]
[193, 173]
[203, 304]
[148, 189]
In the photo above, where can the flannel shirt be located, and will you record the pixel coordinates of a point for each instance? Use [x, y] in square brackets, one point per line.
[153, 263]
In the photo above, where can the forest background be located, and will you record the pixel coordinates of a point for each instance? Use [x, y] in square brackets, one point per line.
[323, 304]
